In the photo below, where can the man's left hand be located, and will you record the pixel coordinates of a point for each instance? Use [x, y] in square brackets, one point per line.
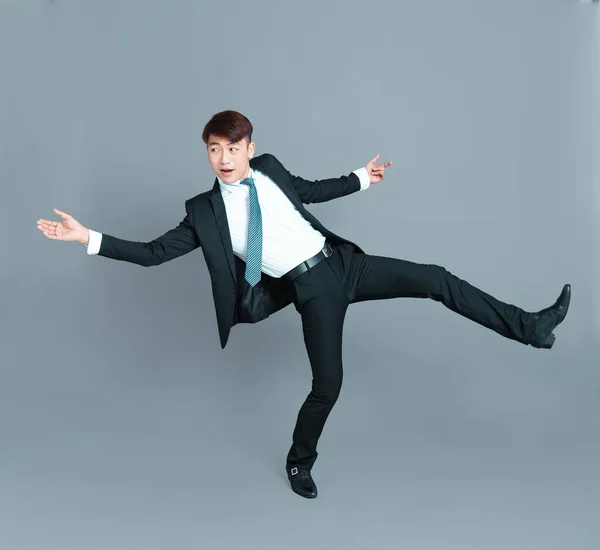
[375, 171]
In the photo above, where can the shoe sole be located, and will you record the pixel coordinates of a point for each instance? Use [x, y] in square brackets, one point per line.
[549, 341]
[303, 495]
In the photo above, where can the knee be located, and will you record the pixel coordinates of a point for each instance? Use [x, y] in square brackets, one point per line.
[440, 276]
[439, 271]
[327, 391]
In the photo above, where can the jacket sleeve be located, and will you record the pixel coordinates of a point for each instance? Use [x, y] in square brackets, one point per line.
[325, 189]
[176, 242]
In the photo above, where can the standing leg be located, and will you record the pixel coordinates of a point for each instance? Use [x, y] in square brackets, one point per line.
[322, 304]
[322, 326]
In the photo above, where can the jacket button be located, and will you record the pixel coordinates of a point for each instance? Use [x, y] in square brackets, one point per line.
[232, 291]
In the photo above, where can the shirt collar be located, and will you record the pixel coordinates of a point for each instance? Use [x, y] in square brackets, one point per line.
[229, 188]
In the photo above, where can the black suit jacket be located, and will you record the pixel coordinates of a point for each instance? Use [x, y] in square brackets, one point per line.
[205, 225]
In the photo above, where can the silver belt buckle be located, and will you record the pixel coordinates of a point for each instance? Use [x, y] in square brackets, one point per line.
[327, 250]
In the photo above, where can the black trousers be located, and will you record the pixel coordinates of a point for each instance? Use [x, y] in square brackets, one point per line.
[322, 296]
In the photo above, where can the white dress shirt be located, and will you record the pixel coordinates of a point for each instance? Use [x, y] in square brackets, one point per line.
[288, 239]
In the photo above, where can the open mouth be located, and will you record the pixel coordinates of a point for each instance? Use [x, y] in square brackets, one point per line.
[226, 172]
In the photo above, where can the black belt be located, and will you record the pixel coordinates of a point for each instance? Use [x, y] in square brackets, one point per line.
[311, 262]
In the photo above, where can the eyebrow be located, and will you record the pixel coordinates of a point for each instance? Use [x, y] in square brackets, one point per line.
[217, 143]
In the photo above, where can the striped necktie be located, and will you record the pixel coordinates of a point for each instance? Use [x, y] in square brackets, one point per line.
[254, 248]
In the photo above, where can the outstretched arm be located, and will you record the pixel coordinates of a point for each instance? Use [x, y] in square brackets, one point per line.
[313, 191]
[174, 243]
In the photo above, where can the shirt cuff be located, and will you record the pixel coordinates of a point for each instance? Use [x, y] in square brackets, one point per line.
[95, 239]
[363, 176]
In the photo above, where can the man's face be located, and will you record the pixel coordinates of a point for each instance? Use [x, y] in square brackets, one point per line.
[230, 161]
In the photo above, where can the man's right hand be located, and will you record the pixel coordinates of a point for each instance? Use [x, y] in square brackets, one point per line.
[68, 230]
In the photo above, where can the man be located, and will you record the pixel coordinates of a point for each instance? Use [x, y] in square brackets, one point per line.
[264, 250]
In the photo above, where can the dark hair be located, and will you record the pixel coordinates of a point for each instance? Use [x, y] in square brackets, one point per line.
[231, 125]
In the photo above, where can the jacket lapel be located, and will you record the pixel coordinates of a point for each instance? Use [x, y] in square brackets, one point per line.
[216, 200]
[280, 180]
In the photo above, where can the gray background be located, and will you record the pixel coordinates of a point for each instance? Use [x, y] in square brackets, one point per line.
[123, 425]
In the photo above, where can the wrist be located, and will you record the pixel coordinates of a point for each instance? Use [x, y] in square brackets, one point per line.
[85, 238]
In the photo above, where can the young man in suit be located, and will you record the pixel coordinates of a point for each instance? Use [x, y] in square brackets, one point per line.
[264, 250]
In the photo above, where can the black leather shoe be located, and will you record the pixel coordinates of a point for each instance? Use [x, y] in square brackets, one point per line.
[301, 482]
[546, 320]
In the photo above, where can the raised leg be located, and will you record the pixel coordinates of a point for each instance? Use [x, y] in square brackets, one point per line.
[379, 277]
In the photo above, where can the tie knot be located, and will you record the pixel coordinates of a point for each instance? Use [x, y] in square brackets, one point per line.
[248, 181]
